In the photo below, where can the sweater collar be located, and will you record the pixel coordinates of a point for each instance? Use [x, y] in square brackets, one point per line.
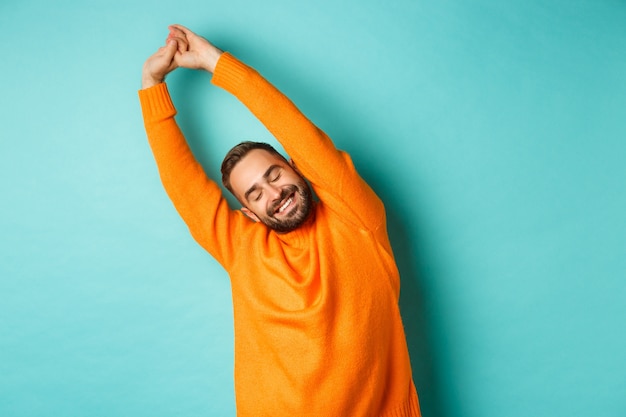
[299, 237]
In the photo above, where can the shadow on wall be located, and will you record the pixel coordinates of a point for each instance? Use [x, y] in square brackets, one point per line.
[414, 315]
[417, 324]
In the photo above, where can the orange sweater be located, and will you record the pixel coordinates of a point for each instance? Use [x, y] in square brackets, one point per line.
[317, 326]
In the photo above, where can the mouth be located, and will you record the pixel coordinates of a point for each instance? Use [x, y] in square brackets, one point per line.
[286, 204]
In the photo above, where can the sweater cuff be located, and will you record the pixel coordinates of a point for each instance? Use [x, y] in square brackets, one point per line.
[156, 103]
[229, 72]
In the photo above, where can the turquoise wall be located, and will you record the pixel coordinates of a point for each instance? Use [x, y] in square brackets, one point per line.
[494, 131]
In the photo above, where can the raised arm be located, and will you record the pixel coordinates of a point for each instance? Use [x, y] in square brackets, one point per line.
[329, 170]
[197, 199]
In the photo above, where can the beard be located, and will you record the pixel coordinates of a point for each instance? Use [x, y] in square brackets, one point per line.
[297, 216]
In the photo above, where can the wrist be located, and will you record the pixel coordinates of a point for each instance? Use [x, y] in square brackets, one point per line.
[148, 81]
[212, 55]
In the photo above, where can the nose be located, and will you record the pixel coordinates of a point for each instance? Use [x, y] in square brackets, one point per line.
[273, 192]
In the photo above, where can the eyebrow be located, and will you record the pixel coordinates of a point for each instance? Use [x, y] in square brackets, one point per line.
[267, 173]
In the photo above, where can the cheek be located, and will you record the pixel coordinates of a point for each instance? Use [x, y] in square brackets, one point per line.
[258, 208]
[291, 181]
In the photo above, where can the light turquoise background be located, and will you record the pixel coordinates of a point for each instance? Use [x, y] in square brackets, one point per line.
[495, 132]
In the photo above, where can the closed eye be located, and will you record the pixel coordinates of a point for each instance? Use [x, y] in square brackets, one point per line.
[272, 174]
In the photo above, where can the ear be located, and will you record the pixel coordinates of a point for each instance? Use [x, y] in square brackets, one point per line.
[250, 214]
[295, 168]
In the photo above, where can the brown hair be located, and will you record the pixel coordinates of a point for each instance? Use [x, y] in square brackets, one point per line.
[235, 155]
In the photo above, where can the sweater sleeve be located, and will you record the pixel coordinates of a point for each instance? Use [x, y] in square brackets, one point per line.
[330, 171]
[198, 200]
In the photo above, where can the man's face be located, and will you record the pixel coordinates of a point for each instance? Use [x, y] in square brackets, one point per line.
[271, 190]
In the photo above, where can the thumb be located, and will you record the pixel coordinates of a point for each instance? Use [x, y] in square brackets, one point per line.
[170, 48]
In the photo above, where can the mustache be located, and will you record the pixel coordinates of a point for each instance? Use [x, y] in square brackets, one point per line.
[286, 192]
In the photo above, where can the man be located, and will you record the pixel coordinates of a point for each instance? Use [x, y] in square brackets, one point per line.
[315, 286]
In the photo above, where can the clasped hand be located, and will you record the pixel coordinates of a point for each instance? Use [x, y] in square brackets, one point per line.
[182, 48]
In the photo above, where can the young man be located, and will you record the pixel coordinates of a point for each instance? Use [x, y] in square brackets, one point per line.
[315, 286]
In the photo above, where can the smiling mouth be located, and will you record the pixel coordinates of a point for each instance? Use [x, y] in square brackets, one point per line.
[286, 204]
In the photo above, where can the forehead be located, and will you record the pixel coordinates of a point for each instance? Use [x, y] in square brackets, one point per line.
[250, 169]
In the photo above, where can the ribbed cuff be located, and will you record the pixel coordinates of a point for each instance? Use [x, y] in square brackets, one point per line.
[156, 103]
[229, 72]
